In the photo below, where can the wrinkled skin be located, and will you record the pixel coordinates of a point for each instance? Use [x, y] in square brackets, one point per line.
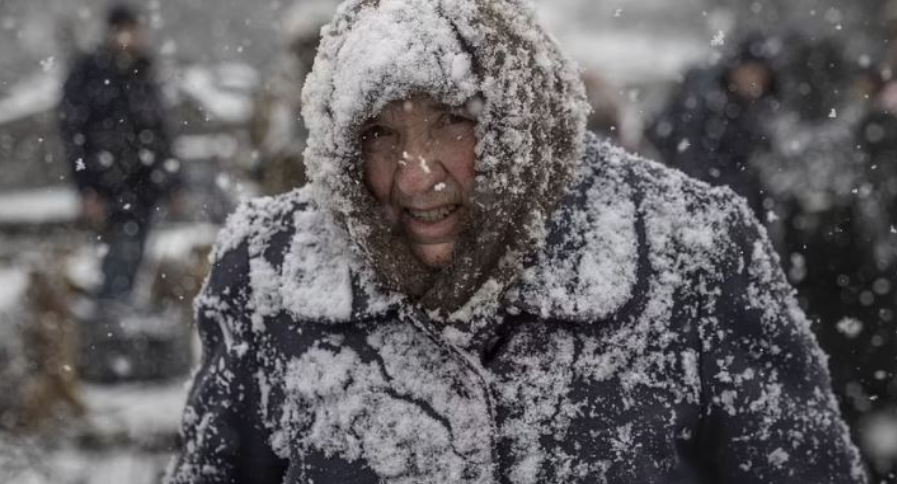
[419, 165]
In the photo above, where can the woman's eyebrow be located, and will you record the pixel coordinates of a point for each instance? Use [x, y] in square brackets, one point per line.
[380, 117]
[386, 115]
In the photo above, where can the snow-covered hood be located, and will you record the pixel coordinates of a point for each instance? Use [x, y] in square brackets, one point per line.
[530, 130]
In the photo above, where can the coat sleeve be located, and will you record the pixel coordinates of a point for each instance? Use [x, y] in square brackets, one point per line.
[222, 437]
[769, 412]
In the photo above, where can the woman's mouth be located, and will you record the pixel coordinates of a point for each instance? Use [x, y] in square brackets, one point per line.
[433, 215]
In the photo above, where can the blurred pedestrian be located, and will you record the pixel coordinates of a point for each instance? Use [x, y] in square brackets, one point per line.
[118, 148]
[832, 175]
[714, 123]
[848, 255]
[872, 282]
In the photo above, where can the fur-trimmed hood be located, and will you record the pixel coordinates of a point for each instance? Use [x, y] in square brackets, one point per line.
[530, 130]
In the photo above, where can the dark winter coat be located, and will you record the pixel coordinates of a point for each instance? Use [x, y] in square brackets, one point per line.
[651, 339]
[113, 124]
[711, 134]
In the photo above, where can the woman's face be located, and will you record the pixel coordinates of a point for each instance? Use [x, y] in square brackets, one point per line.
[419, 161]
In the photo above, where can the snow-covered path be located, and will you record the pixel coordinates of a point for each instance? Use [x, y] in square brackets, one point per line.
[126, 438]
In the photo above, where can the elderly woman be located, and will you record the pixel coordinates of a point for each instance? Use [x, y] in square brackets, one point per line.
[475, 290]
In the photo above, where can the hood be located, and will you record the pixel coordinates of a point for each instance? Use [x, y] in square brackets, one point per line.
[530, 132]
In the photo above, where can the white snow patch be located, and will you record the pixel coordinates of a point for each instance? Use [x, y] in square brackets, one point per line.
[56, 204]
[850, 327]
[13, 282]
[222, 91]
[316, 282]
[33, 95]
[778, 457]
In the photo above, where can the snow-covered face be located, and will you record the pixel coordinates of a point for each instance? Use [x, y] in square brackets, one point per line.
[419, 162]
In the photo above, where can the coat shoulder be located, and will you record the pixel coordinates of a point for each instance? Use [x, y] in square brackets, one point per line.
[626, 221]
[679, 210]
[678, 213]
[655, 180]
[295, 257]
[257, 222]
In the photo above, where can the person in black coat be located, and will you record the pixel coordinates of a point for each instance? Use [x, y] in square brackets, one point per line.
[473, 289]
[844, 266]
[118, 146]
[715, 122]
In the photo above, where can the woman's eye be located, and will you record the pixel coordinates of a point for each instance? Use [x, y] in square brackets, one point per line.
[451, 119]
[374, 133]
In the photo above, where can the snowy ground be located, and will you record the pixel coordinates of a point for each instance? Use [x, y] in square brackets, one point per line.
[42, 206]
[129, 430]
[126, 438]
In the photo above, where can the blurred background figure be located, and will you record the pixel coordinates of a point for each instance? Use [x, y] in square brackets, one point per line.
[867, 292]
[119, 151]
[714, 124]
[276, 129]
[832, 175]
[807, 134]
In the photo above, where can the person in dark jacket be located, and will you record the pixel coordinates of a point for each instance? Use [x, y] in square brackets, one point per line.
[473, 289]
[714, 123]
[833, 180]
[118, 146]
[843, 259]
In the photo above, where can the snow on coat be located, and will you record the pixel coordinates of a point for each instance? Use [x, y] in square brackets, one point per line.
[646, 334]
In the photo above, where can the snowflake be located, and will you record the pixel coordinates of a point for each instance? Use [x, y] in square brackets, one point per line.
[48, 63]
[719, 39]
[79, 165]
[778, 457]
[850, 327]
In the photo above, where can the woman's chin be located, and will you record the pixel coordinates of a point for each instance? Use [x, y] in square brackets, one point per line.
[434, 256]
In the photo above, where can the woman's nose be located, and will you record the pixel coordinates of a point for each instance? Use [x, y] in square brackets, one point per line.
[419, 168]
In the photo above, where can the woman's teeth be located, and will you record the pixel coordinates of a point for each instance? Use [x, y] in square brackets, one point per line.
[434, 215]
